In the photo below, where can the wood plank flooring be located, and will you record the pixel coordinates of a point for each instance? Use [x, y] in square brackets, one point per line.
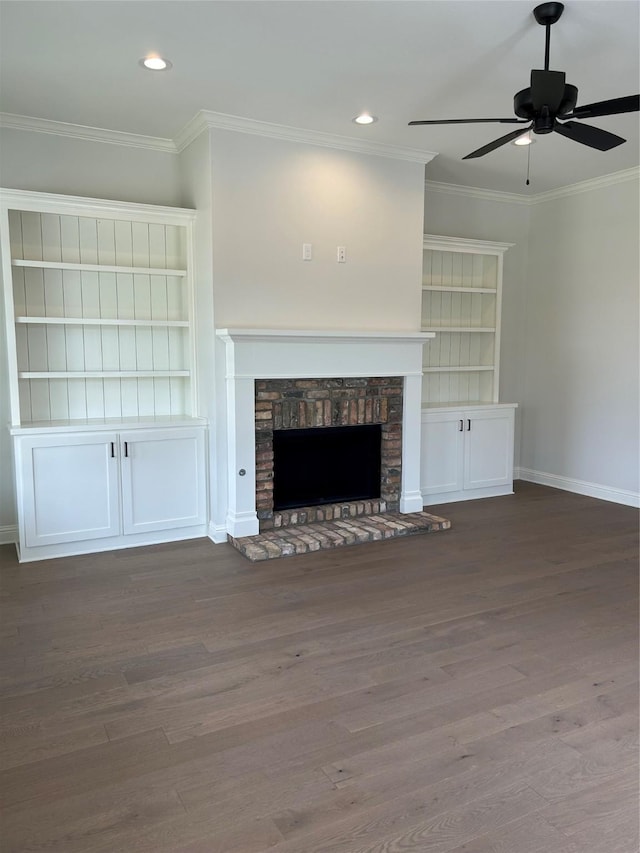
[471, 692]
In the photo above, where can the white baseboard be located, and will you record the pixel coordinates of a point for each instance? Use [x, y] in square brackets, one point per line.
[580, 487]
[8, 534]
[217, 533]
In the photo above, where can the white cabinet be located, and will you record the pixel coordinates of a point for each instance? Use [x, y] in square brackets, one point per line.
[466, 453]
[81, 492]
[68, 488]
[163, 485]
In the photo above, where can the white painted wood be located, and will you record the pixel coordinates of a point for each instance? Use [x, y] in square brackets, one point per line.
[488, 449]
[69, 488]
[96, 374]
[76, 489]
[461, 302]
[78, 321]
[467, 452]
[441, 455]
[101, 292]
[102, 268]
[279, 353]
[163, 479]
[99, 315]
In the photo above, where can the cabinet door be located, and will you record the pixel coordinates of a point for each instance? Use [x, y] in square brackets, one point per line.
[69, 486]
[163, 479]
[441, 453]
[488, 451]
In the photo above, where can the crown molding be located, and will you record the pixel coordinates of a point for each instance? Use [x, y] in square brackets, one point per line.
[476, 192]
[91, 134]
[206, 119]
[609, 180]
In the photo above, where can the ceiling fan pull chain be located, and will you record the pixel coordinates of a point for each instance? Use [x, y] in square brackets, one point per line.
[528, 163]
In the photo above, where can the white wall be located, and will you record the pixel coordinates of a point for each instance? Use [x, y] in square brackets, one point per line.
[456, 215]
[271, 195]
[581, 378]
[44, 162]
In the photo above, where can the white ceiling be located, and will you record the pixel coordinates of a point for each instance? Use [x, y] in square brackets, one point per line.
[315, 64]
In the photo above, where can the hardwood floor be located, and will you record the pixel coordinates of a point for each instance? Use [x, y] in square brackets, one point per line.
[470, 691]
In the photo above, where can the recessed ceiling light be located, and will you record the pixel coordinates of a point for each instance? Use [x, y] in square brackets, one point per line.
[365, 118]
[525, 139]
[155, 63]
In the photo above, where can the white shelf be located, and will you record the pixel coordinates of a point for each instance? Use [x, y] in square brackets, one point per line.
[458, 369]
[438, 289]
[97, 424]
[60, 265]
[467, 404]
[95, 321]
[488, 329]
[100, 374]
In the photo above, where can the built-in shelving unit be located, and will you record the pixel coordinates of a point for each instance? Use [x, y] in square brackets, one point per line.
[99, 305]
[461, 302]
[108, 446]
[467, 435]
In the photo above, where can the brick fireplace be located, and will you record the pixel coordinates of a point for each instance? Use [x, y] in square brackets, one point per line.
[317, 403]
[313, 378]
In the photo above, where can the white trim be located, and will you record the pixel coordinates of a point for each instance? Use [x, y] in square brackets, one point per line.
[90, 134]
[591, 184]
[538, 198]
[462, 244]
[206, 119]
[217, 533]
[8, 534]
[580, 487]
[476, 192]
[297, 336]
[81, 205]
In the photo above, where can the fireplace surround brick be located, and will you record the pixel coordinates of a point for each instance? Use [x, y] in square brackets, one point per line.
[304, 403]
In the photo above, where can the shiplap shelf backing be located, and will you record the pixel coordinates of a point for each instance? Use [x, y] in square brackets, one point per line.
[101, 307]
[461, 301]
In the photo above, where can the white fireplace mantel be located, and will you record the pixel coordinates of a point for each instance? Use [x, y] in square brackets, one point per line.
[252, 354]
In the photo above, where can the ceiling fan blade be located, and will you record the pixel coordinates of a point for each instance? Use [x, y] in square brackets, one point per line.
[471, 121]
[547, 89]
[586, 134]
[629, 104]
[480, 152]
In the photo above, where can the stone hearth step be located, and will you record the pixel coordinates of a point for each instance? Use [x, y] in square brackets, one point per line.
[322, 535]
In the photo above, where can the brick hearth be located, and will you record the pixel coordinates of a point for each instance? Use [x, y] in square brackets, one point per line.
[304, 538]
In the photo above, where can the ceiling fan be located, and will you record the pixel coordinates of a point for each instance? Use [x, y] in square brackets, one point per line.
[549, 104]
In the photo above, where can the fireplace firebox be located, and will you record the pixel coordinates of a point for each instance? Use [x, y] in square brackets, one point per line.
[312, 467]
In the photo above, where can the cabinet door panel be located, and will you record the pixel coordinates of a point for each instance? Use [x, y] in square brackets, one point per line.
[70, 487]
[441, 454]
[162, 479]
[488, 455]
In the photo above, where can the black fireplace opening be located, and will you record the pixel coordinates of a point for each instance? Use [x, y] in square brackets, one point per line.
[326, 465]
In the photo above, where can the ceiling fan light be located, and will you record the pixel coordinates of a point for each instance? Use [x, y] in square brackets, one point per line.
[525, 139]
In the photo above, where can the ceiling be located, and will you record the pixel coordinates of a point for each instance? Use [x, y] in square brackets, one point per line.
[314, 64]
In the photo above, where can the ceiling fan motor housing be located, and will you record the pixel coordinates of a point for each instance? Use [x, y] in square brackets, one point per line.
[523, 102]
